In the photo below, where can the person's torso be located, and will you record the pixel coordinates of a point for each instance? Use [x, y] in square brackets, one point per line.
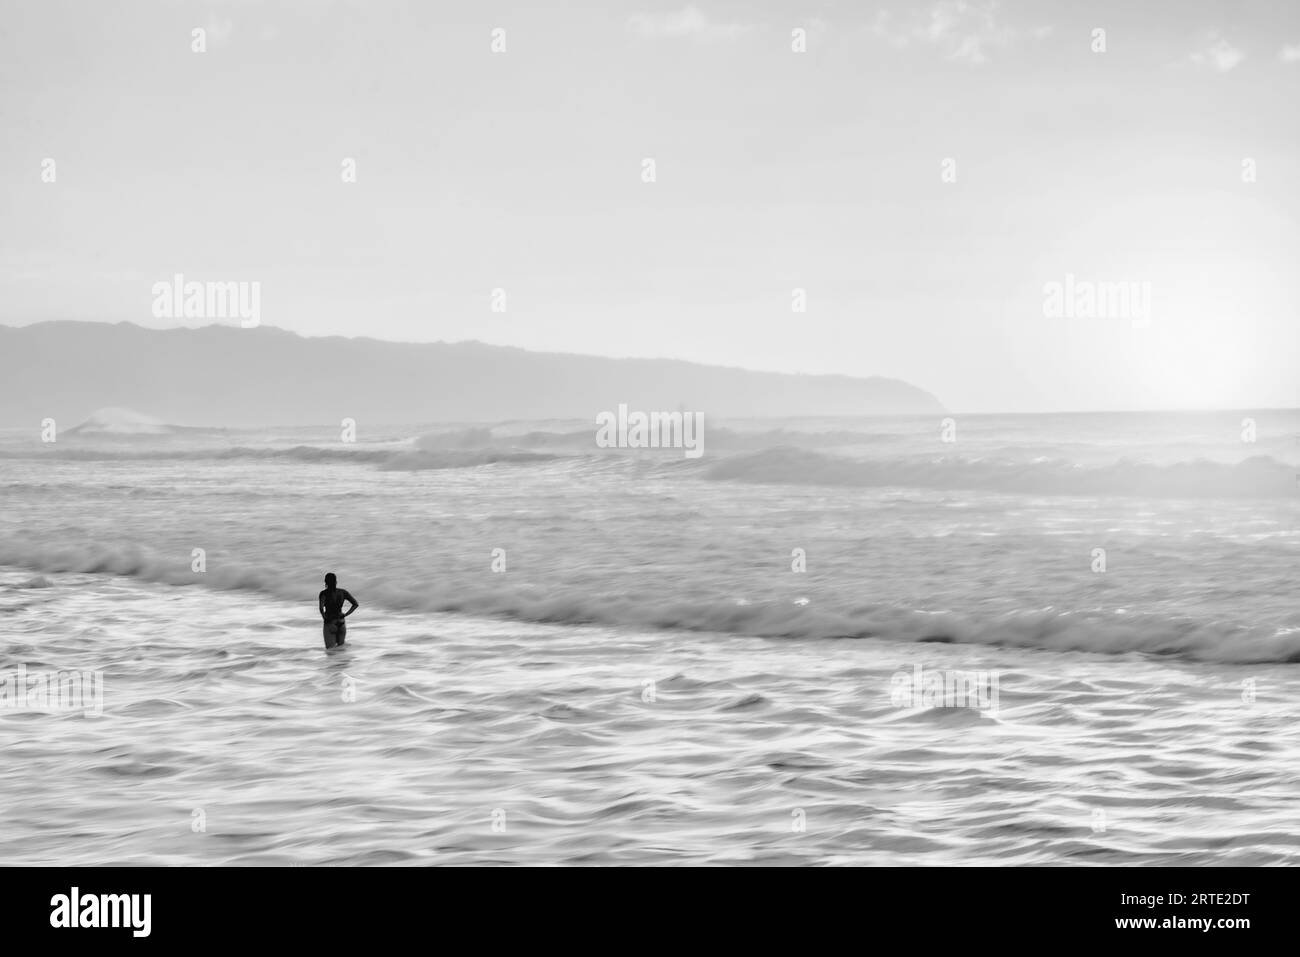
[332, 599]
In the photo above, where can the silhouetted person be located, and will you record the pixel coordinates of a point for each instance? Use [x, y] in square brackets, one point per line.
[331, 609]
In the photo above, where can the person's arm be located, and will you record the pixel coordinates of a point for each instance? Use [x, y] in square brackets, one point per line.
[320, 601]
[347, 596]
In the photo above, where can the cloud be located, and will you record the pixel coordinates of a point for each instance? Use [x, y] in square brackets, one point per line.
[1219, 56]
[1290, 54]
[690, 21]
[964, 30]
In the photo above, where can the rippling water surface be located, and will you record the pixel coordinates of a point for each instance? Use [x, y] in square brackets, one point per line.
[648, 680]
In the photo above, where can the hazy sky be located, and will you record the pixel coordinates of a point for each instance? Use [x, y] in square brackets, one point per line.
[775, 170]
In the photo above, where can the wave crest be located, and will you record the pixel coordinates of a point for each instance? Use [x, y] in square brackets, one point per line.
[1049, 629]
[1257, 477]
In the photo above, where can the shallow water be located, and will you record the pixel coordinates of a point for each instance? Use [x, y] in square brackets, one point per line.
[737, 741]
[647, 681]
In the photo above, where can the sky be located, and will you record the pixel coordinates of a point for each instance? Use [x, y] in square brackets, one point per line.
[922, 171]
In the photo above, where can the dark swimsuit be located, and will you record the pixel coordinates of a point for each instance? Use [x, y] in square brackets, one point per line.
[335, 628]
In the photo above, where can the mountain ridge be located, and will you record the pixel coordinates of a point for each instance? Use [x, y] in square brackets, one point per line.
[227, 376]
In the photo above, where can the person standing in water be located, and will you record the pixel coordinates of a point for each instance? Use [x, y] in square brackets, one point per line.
[331, 610]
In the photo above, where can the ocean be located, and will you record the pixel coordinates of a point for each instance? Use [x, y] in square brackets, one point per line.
[1030, 639]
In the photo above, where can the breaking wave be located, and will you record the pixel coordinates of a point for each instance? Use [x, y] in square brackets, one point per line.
[1182, 637]
[1257, 477]
[391, 459]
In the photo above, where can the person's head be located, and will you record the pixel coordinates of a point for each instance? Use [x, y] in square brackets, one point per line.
[330, 580]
